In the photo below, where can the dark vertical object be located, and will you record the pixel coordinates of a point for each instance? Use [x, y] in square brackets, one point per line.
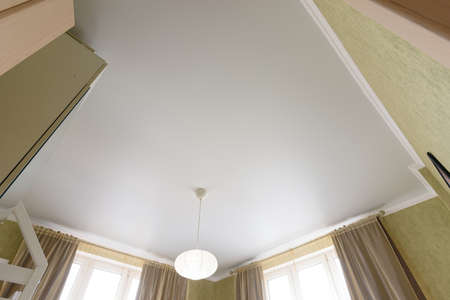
[441, 169]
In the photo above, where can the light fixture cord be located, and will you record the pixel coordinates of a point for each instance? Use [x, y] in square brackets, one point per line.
[198, 224]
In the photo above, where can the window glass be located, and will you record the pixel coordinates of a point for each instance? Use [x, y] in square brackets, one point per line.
[317, 277]
[133, 289]
[102, 285]
[342, 286]
[314, 283]
[69, 281]
[279, 288]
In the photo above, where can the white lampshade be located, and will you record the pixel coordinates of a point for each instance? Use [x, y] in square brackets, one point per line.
[196, 264]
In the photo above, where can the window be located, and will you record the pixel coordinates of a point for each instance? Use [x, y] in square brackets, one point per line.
[92, 278]
[315, 277]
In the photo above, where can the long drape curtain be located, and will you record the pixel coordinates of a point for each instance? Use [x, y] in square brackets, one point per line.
[59, 250]
[373, 269]
[250, 284]
[161, 282]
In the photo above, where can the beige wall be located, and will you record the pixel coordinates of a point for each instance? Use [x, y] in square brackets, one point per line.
[414, 88]
[26, 28]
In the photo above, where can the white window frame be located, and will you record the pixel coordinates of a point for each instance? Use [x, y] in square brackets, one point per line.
[326, 256]
[88, 263]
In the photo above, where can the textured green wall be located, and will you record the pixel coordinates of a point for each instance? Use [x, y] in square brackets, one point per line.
[200, 290]
[413, 87]
[443, 193]
[415, 90]
[422, 235]
[10, 239]
[224, 289]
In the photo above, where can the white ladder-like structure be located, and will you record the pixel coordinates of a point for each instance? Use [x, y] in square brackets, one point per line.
[30, 278]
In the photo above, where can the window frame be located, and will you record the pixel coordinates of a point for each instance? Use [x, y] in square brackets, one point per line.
[327, 257]
[89, 262]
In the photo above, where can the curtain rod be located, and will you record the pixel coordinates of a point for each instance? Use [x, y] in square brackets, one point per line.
[112, 250]
[380, 213]
[92, 239]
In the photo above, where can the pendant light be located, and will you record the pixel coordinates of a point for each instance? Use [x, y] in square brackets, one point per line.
[196, 264]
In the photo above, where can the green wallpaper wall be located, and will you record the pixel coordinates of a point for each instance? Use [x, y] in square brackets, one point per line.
[10, 239]
[224, 289]
[421, 232]
[422, 235]
[413, 87]
[200, 290]
[415, 90]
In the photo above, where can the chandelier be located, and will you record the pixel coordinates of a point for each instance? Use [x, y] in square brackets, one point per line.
[196, 264]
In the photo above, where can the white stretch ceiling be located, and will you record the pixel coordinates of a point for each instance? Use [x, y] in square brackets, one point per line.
[245, 98]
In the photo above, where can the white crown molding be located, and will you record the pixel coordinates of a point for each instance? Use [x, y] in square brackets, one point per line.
[396, 204]
[405, 203]
[292, 244]
[426, 35]
[89, 91]
[351, 66]
[103, 242]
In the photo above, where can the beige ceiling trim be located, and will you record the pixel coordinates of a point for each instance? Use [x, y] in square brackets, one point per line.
[291, 254]
[430, 37]
[101, 246]
[436, 10]
[351, 66]
[122, 257]
[5, 4]
[28, 27]
[277, 255]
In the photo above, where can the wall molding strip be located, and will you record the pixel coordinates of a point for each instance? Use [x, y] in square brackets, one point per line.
[103, 242]
[416, 165]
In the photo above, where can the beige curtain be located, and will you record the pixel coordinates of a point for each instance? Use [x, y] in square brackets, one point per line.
[161, 282]
[370, 263]
[250, 284]
[60, 251]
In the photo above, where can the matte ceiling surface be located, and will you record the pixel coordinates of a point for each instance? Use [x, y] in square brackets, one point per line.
[245, 98]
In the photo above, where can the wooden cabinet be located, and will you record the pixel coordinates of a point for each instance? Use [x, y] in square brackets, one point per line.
[28, 25]
[36, 96]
